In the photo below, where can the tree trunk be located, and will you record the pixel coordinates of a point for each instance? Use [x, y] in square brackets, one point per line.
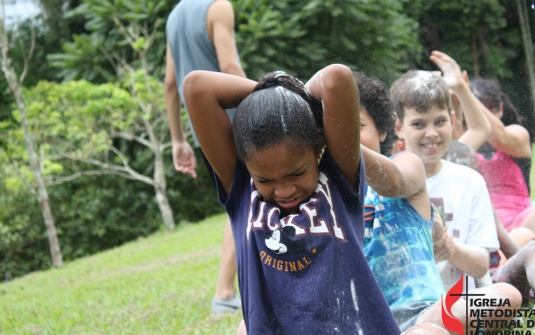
[473, 49]
[484, 49]
[161, 192]
[528, 46]
[42, 194]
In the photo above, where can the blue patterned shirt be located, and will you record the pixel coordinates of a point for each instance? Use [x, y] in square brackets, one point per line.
[399, 249]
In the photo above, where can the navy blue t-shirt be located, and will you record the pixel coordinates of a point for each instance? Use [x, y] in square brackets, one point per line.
[305, 273]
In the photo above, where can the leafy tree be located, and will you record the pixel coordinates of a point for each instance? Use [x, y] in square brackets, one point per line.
[464, 30]
[40, 191]
[372, 36]
[89, 124]
[375, 37]
[93, 56]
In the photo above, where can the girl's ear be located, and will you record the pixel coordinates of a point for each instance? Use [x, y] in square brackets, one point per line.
[382, 136]
[399, 129]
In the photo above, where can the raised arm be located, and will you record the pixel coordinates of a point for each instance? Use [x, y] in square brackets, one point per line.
[478, 126]
[336, 88]
[220, 20]
[400, 177]
[207, 96]
[512, 140]
[183, 156]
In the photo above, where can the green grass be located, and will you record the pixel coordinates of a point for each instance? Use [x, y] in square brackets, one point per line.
[159, 285]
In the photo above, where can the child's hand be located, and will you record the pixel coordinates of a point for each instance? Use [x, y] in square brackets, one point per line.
[451, 71]
[444, 248]
[465, 77]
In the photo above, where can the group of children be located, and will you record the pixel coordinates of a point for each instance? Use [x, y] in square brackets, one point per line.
[332, 235]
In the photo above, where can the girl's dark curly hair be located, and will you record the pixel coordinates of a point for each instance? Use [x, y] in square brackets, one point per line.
[279, 109]
[374, 97]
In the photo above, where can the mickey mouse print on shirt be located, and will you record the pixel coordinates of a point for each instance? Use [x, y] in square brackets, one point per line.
[290, 243]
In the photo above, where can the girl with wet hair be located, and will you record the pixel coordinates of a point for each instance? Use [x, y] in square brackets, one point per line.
[290, 176]
[505, 160]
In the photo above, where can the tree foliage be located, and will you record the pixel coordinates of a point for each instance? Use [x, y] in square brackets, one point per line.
[372, 36]
[81, 121]
[91, 56]
[484, 37]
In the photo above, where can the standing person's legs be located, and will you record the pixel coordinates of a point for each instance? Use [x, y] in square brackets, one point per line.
[225, 301]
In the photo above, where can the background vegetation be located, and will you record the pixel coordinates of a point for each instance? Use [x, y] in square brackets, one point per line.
[87, 40]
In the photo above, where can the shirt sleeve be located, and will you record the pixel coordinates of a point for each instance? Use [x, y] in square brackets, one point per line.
[232, 200]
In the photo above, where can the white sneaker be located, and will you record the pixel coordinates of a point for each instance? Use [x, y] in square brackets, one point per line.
[226, 305]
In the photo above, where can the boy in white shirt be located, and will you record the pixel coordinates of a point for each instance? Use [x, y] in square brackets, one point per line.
[423, 106]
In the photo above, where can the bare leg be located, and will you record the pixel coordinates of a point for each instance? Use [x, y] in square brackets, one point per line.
[227, 272]
[496, 291]
[426, 329]
[519, 270]
[521, 236]
[529, 221]
[241, 328]
[225, 301]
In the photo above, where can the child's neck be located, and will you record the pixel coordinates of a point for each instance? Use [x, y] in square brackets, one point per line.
[432, 169]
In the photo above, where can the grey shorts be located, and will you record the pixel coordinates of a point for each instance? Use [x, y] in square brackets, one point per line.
[407, 315]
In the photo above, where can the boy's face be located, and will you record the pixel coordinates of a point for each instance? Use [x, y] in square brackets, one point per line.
[428, 134]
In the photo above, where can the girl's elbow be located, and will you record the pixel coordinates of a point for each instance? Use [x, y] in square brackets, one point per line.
[337, 75]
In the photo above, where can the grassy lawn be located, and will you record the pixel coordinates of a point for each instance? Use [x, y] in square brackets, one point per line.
[159, 285]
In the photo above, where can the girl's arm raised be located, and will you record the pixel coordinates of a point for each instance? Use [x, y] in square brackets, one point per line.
[207, 95]
[512, 140]
[336, 88]
[400, 177]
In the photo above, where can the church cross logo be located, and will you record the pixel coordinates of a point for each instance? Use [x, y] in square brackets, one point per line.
[449, 320]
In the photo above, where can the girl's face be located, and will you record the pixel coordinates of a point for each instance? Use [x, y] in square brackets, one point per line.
[284, 174]
[369, 135]
[498, 112]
